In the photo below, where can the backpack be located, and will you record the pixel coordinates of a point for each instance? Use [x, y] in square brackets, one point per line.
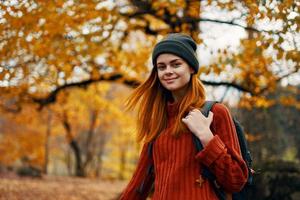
[242, 195]
[246, 155]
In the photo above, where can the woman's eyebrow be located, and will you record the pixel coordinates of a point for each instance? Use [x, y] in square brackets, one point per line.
[175, 60]
[161, 63]
[172, 61]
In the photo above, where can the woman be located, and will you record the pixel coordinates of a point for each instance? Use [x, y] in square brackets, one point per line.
[169, 102]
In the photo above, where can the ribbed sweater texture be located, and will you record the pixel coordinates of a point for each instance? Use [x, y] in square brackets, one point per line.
[177, 165]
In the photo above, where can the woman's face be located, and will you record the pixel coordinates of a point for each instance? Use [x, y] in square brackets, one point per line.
[173, 72]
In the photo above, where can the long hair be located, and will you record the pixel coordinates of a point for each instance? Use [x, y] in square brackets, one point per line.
[151, 99]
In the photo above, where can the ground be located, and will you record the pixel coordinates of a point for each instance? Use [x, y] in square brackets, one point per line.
[58, 188]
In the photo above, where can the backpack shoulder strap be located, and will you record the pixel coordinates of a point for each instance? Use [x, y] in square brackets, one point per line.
[206, 172]
[205, 111]
[207, 107]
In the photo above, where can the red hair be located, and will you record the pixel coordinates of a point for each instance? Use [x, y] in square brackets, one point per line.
[151, 100]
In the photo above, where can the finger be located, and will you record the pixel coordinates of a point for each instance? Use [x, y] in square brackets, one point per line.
[210, 115]
[195, 110]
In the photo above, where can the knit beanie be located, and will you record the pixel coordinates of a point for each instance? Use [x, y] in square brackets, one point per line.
[180, 45]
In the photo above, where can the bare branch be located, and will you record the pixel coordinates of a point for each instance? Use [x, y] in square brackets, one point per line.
[248, 28]
[288, 74]
[117, 77]
[145, 8]
[228, 84]
[51, 98]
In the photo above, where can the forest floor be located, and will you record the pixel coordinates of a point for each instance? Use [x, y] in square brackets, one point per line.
[58, 188]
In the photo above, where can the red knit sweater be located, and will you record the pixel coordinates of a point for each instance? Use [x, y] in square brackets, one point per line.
[177, 164]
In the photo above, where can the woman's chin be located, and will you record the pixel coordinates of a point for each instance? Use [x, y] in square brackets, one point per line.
[170, 87]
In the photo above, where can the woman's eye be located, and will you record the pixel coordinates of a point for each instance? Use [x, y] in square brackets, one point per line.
[177, 65]
[160, 67]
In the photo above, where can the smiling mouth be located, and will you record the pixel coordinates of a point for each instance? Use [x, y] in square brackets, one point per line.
[171, 79]
[168, 81]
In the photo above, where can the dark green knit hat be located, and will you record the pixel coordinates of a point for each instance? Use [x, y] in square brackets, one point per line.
[180, 45]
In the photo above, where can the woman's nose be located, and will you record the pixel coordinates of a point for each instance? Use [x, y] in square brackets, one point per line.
[169, 70]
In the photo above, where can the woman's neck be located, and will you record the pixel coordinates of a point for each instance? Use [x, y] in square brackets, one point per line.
[179, 94]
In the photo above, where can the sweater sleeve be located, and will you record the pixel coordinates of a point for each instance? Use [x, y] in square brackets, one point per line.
[222, 154]
[142, 179]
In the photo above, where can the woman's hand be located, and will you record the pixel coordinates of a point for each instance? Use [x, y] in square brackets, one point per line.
[198, 124]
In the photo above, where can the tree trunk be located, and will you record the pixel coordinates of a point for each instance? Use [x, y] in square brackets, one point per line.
[100, 154]
[79, 171]
[122, 164]
[88, 144]
[69, 162]
[48, 132]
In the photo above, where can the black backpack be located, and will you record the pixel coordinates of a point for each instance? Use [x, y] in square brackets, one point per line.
[242, 195]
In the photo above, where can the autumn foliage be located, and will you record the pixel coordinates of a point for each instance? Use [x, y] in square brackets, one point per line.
[66, 68]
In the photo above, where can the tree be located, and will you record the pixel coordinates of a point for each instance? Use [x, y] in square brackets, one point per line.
[48, 47]
[49, 51]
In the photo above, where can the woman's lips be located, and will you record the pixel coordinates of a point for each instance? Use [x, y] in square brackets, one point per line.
[170, 80]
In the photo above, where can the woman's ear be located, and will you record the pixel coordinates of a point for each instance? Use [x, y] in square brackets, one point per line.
[192, 71]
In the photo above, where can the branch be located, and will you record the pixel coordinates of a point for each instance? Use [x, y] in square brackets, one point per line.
[118, 77]
[248, 28]
[247, 90]
[145, 8]
[51, 98]
[288, 74]
[282, 77]
[193, 20]
[234, 85]
[232, 23]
